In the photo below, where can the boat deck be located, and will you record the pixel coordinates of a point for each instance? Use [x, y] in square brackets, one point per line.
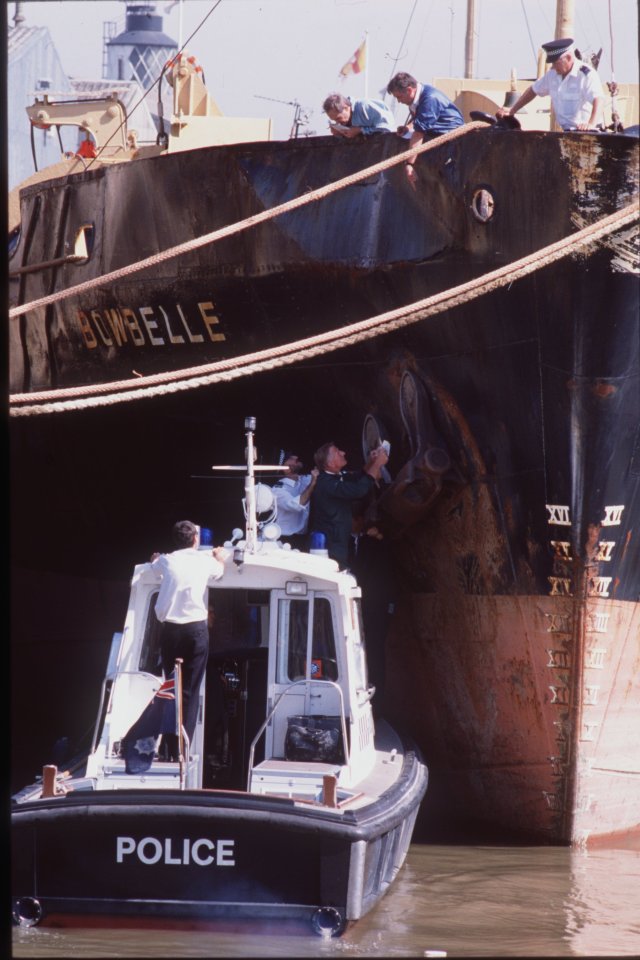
[304, 781]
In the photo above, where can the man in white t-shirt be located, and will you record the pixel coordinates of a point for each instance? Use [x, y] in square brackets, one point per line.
[182, 609]
[575, 89]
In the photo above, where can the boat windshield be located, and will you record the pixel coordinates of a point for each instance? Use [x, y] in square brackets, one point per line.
[304, 652]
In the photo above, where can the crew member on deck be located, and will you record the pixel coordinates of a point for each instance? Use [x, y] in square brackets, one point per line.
[432, 113]
[336, 491]
[360, 118]
[293, 495]
[182, 609]
[574, 87]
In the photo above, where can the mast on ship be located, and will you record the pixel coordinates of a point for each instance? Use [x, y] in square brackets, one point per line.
[258, 499]
[564, 19]
[470, 41]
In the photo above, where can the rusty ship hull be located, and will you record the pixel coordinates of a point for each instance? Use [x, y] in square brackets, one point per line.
[514, 497]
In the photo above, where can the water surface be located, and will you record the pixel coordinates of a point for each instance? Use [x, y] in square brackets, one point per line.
[458, 900]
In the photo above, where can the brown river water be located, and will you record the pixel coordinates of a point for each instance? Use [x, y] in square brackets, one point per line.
[454, 900]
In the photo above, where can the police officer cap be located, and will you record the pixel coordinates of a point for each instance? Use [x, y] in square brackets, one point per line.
[555, 49]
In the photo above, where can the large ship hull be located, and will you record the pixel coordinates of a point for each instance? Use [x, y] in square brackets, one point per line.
[517, 558]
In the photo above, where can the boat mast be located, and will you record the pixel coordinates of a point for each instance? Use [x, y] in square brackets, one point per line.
[564, 19]
[250, 486]
[470, 41]
[564, 28]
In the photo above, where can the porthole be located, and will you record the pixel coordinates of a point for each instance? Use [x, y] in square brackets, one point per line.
[483, 205]
[83, 243]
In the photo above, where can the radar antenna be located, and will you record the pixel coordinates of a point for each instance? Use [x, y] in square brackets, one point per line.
[300, 117]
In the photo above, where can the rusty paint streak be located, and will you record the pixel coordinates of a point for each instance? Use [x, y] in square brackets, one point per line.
[603, 390]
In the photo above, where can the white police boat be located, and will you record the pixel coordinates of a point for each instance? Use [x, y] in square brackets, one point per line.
[289, 803]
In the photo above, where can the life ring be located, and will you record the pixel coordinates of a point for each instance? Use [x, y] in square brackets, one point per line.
[173, 61]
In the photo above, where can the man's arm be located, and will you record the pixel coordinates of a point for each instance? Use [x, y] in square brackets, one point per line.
[347, 132]
[596, 111]
[595, 94]
[376, 461]
[415, 141]
[524, 98]
[218, 555]
[305, 496]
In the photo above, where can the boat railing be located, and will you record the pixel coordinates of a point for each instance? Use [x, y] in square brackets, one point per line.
[276, 706]
[112, 677]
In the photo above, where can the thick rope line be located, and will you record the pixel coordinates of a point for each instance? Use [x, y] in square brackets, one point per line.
[234, 228]
[287, 354]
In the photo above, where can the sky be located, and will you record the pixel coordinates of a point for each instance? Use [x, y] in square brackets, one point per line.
[261, 56]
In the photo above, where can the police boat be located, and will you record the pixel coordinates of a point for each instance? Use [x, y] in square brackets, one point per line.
[289, 803]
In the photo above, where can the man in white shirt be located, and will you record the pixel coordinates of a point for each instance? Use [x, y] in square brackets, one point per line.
[293, 495]
[182, 609]
[574, 87]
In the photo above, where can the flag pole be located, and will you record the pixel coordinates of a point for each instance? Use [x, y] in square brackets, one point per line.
[366, 64]
[180, 730]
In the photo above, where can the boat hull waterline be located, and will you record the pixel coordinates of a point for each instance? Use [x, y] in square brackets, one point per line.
[212, 855]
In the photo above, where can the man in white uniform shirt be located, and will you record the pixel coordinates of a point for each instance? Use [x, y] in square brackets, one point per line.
[182, 609]
[574, 87]
[293, 494]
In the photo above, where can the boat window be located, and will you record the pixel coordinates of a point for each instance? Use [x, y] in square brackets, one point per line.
[323, 652]
[238, 619]
[83, 243]
[14, 240]
[359, 659]
[295, 659]
[293, 622]
[150, 660]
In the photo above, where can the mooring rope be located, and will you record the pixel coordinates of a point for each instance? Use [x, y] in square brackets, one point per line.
[106, 394]
[189, 245]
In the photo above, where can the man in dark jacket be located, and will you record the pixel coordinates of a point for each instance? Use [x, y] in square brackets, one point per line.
[431, 111]
[336, 491]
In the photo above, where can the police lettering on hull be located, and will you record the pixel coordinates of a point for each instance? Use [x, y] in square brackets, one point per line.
[148, 326]
[202, 852]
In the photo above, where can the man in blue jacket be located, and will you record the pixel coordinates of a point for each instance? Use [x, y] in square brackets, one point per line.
[432, 112]
[336, 491]
[360, 118]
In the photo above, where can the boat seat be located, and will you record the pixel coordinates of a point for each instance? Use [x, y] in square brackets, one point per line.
[162, 774]
[292, 779]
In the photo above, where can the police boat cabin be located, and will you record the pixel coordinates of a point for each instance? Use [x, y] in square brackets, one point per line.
[289, 802]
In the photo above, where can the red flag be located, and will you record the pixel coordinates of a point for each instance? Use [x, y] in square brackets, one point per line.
[357, 62]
